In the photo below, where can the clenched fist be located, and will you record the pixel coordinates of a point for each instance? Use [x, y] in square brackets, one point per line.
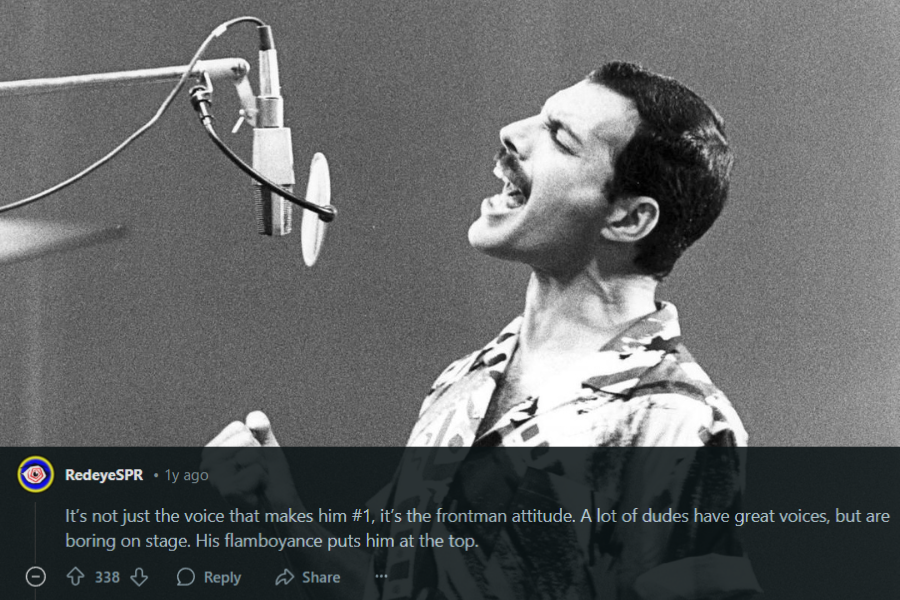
[247, 466]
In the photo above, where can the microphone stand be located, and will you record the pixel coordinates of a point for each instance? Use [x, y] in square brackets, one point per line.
[220, 68]
[318, 188]
[24, 239]
[235, 69]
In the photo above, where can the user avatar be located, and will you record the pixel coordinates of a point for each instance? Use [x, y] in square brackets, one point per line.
[36, 474]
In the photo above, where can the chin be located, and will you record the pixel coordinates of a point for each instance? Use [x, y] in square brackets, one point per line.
[476, 234]
[482, 238]
[491, 243]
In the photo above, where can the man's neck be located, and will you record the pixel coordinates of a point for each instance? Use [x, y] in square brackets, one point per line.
[582, 313]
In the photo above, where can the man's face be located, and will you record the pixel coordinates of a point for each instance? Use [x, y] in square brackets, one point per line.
[554, 166]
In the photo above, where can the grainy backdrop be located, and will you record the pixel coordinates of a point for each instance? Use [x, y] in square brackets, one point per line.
[192, 320]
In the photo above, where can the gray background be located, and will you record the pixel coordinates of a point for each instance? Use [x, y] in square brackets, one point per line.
[790, 302]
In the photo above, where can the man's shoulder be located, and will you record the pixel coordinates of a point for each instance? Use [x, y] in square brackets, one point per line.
[676, 372]
[679, 381]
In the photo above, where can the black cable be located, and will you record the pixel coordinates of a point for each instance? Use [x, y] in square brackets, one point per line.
[162, 108]
[200, 99]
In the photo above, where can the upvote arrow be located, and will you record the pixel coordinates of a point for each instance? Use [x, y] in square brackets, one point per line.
[75, 575]
[139, 578]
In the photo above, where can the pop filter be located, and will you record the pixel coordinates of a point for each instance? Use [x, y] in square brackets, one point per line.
[318, 191]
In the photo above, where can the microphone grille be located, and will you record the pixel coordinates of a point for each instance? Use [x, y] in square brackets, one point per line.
[274, 214]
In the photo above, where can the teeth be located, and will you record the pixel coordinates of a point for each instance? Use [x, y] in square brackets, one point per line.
[514, 196]
[508, 186]
[498, 172]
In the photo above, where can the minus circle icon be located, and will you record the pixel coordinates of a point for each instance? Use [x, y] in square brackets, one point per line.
[35, 576]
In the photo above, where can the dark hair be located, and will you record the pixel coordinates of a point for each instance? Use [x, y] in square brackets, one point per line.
[679, 156]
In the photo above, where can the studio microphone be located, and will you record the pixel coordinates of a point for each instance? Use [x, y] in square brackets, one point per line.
[272, 150]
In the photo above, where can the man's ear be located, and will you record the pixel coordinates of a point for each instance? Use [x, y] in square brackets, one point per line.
[631, 219]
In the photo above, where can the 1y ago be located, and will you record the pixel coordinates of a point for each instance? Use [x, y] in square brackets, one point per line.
[188, 476]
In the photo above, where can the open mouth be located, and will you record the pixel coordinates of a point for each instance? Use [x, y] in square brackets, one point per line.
[514, 193]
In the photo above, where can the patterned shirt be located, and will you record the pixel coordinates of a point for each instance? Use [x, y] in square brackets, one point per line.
[646, 391]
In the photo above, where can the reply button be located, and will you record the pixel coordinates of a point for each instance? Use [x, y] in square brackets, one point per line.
[221, 578]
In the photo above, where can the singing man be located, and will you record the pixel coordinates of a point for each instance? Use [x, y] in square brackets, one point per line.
[602, 192]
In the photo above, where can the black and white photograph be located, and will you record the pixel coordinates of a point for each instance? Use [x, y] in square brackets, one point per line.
[141, 306]
[460, 225]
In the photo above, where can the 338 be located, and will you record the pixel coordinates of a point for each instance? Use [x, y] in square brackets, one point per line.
[107, 577]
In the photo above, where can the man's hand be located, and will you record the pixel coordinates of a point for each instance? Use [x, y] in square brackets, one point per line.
[246, 464]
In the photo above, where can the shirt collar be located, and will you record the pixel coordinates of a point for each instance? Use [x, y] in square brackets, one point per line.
[656, 331]
[639, 347]
[628, 356]
[498, 352]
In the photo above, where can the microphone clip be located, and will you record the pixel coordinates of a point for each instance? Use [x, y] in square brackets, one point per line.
[201, 99]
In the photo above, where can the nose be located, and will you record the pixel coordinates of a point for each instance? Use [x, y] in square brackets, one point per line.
[515, 137]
